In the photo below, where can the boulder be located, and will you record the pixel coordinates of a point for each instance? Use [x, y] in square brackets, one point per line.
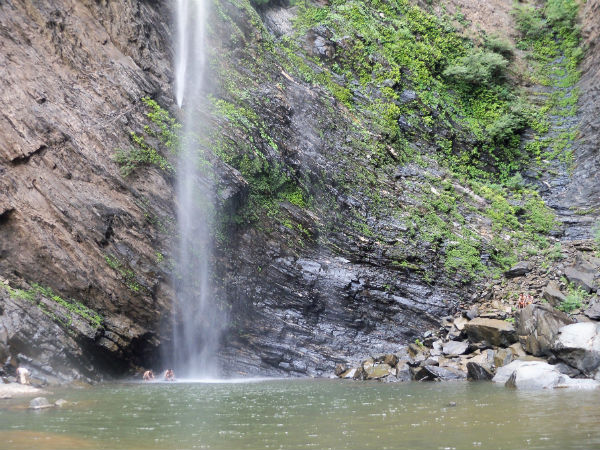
[391, 360]
[491, 332]
[552, 294]
[503, 356]
[349, 374]
[578, 345]
[518, 270]
[539, 375]
[455, 348]
[472, 313]
[580, 278]
[477, 372]
[460, 322]
[40, 403]
[340, 369]
[379, 371]
[436, 349]
[445, 373]
[538, 326]
[593, 310]
[403, 372]
[359, 374]
[415, 350]
[534, 375]
[61, 402]
[567, 370]
[437, 373]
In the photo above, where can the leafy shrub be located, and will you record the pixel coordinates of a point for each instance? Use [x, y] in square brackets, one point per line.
[499, 45]
[140, 154]
[509, 124]
[561, 13]
[573, 300]
[478, 68]
[530, 22]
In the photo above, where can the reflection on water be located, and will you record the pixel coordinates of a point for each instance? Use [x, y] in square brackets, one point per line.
[307, 414]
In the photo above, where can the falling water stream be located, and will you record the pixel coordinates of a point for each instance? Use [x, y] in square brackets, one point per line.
[198, 322]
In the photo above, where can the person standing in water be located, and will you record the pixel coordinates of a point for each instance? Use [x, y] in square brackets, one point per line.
[169, 375]
[148, 375]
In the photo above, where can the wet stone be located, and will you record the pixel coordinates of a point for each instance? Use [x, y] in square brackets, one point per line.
[40, 403]
[519, 269]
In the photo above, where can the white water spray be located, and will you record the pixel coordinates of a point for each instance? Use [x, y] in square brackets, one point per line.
[198, 322]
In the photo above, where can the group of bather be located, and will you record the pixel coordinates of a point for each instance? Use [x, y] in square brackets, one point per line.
[169, 375]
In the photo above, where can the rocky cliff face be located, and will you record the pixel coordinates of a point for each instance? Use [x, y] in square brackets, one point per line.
[585, 190]
[73, 74]
[346, 256]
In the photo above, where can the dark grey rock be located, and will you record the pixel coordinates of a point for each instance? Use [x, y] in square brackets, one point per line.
[472, 313]
[578, 345]
[491, 332]
[553, 294]
[567, 370]
[407, 96]
[404, 124]
[581, 279]
[518, 270]
[40, 403]
[476, 372]
[445, 373]
[403, 372]
[537, 327]
[593, 309]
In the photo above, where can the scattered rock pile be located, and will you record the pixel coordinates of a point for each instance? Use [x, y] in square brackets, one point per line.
[533, 347]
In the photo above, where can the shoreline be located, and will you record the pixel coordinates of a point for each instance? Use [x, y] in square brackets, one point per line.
[12, 390]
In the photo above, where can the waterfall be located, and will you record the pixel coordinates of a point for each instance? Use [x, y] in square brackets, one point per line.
[198, 321]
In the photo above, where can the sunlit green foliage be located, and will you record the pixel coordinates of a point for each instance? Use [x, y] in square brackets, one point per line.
[73, 306]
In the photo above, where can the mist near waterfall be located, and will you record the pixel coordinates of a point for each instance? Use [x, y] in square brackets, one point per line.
[198, 321]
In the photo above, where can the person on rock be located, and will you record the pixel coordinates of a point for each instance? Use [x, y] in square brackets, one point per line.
[23, 375]
[148, 375]
[169, 375]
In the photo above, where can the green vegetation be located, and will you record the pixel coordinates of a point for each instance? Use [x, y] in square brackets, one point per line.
[73, 306]
[270, 183]
[128, 275]
[163, 129]
[478, 68]
[552, 37]
[574, 299]
[596, 234]
[410, 89]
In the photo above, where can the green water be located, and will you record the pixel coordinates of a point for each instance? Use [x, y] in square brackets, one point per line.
[304, 414]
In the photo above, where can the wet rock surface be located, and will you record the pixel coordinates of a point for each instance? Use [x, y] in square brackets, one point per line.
[523, 346]
[66, 212]
[73, 76]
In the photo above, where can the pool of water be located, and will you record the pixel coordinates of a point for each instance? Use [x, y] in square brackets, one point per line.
[304, 414]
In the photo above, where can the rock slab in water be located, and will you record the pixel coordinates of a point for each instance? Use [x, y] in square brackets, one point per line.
[538, 375]
[578, 345]
[40, 403]
[433, 373]
[61, 402]
[477, 372]
[492, 332]
[538, 326]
